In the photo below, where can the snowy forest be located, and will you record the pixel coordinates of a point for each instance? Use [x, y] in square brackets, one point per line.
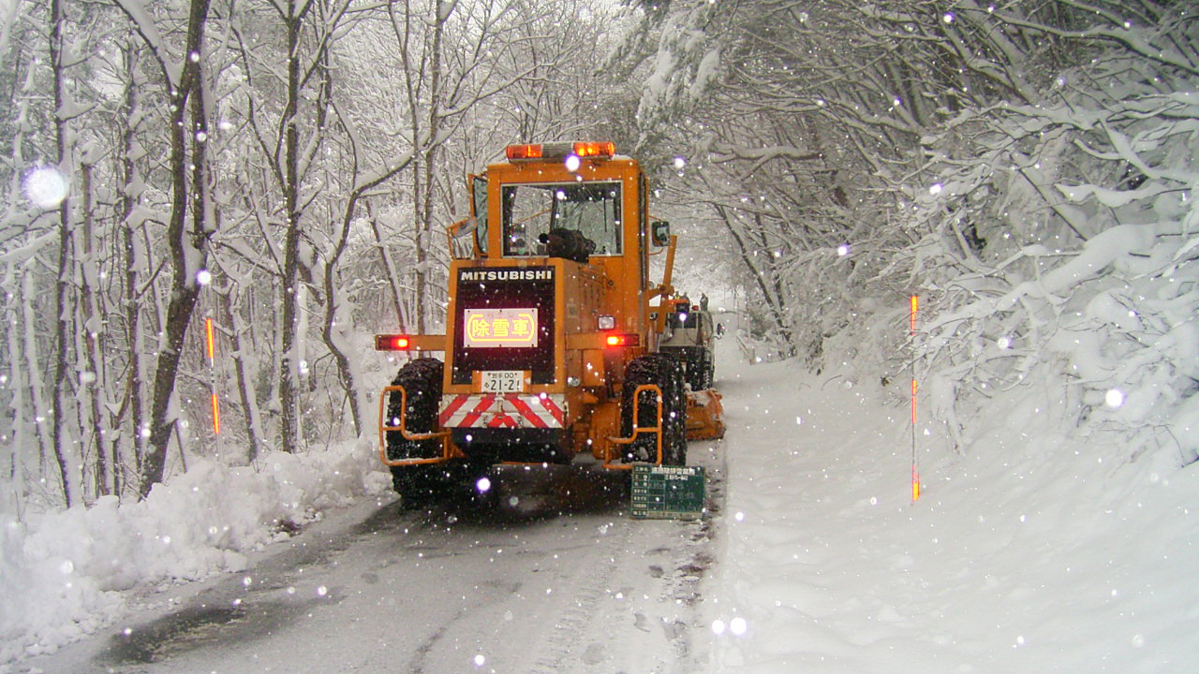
[212, 206]
[276, 176]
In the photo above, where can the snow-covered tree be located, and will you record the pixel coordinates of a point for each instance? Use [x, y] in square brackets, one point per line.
[1059, 237]
[1027, 167]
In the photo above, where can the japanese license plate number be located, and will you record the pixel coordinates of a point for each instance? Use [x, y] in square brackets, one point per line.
[503, 381]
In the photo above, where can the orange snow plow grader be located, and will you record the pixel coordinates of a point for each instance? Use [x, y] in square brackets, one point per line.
[689, 338]
[551, 346]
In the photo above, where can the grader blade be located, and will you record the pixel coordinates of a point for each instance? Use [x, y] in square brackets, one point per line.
[705, 415]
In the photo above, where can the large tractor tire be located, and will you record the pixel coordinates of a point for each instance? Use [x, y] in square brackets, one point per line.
[697, 365]
[667, 374]
[707, 369]
[698, 368]
[417, 484]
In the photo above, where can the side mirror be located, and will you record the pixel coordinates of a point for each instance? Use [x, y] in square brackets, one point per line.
[719, 330]
[463, 227]
[660, 232]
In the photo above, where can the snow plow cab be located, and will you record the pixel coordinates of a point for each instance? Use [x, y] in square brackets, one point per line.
[553, 327]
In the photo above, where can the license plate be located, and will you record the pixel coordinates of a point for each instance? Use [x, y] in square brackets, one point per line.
[503, 381]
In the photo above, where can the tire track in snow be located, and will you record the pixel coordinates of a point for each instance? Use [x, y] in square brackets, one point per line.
[640, 602]
[597, 575]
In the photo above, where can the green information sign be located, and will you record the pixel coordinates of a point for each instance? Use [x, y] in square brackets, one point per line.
[668, 492]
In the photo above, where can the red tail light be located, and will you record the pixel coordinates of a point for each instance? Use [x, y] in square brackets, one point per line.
[392, 342]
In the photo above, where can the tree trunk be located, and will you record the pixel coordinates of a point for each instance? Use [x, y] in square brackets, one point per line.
[288, 366]
[58, 412]
[332, 333]
[393, 277]
[130, 196]
[777, 314]
[188, 253]
[245, 387]
[95, 383]
[424, 174]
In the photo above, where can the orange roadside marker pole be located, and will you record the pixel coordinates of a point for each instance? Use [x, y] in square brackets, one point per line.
[915, 456]
[216, 413]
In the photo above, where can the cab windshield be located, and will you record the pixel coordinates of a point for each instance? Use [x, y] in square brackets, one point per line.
[532, 211]
[478, 193]
[682, 319]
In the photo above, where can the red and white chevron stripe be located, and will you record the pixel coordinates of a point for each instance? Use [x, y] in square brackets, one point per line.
[502, 410]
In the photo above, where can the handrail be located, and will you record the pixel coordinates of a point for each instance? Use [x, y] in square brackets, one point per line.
[637, 430]
[384, 429]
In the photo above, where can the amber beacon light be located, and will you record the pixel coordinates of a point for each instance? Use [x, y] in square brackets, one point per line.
[582, 149]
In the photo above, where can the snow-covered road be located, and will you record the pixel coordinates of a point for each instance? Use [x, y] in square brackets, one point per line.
[454, 588]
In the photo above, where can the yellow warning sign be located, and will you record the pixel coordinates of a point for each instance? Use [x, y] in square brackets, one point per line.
[496, 328]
